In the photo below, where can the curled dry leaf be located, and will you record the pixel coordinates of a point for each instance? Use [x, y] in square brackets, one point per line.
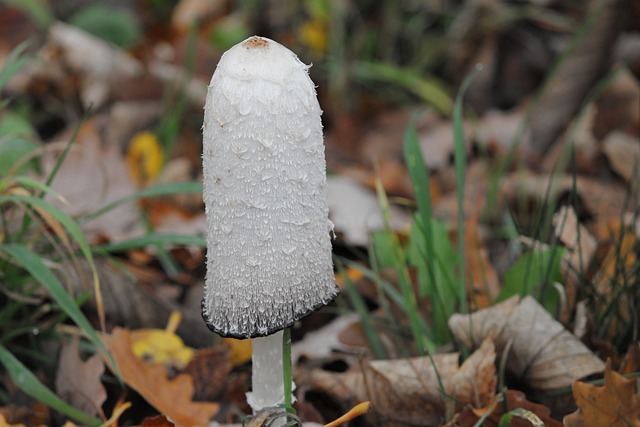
[616, 404]
[542, 353]
[78, 381]
[406, 392]
[170, 397]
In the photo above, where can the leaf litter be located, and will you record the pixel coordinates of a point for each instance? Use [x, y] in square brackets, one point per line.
[598, 227]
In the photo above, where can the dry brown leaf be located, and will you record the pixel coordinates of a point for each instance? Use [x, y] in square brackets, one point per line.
[170, 397]
[98, 77]
[91, 177]
[618, 269]
[542, 353]
[78, 382]
[514, 399]
[193, 12]
[615, 404]
[575, 76]
[210, 369]
[405, 392]
[157, 421]
[623, 152]
[631, 360]
[480, 273]
[498, 131]
[356, 212]
[604, 200]
[575, 261]
[322, 342]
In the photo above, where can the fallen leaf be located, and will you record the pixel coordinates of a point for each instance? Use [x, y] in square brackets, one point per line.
[468, 417]
[210, 369]
[481, 276]
[37, 414]
[603, 200]
[78, 382]
[191, 12]
[406, 392]
[615, 404]
[575, 261]
[355, 210]
[144, 158]
[623, 152]
[161, 346]
[574, 77]
[4, 423]
[618, 269]
[324, 341]
[170, 397]
[498, 131]
[93, 176]
[157, 421]
[542, 354]
[239, 350]
[99, 77]
[631, 360]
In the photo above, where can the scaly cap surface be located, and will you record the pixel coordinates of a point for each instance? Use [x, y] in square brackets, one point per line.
[268, 242]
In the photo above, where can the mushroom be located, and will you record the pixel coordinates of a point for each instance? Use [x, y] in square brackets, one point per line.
[268, 229]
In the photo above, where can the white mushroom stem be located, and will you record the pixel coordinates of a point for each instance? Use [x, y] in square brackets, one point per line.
[268, 374]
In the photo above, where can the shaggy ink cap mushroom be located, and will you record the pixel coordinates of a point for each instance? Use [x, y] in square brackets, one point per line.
[269, 234]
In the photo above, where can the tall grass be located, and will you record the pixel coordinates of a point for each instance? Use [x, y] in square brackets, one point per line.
[37, 240]
[440, 265]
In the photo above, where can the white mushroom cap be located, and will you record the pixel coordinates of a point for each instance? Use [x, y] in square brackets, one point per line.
[268, 241]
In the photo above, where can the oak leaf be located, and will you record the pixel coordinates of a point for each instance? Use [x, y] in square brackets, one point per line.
[170, 397]
[616, 404]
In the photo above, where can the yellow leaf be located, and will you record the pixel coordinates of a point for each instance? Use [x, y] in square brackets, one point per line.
[144, 158]
[160, 346]
[239, 351]
[313, 35]
[171, 397]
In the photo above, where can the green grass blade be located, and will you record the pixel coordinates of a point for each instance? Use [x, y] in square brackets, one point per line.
[428, 90]
[14, 62]
[365, 317]
[38, 10]
[421, 184]
[72, 228]
[36, 267]
[460, 153]
[152, 239]
[160, 190]
[30, 384]
[396, 297]
[402, 270]
[27, 182]
[287, 371]
[69, 224]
